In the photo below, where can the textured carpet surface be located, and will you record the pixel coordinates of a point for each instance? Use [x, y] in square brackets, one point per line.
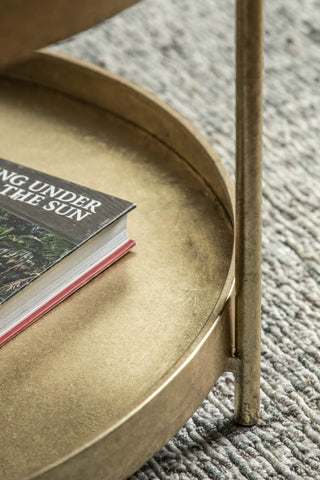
[183, 51]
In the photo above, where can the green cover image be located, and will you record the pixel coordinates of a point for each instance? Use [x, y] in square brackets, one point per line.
[26, 251]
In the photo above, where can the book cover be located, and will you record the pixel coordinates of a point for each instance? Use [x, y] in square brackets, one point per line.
[44, 219]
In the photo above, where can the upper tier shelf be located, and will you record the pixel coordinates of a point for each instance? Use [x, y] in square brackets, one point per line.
[26, 26]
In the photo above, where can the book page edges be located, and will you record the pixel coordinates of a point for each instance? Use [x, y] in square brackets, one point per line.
[66, 292]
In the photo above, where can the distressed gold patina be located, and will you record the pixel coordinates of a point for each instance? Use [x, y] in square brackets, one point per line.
[117, 369]
[249, 73]
[100, 383]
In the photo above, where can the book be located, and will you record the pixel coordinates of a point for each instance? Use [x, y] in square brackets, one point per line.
[55, 236]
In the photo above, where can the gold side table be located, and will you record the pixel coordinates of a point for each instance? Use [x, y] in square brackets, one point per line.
[104, 380]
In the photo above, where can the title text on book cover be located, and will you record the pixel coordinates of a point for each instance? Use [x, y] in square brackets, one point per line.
[39, 194]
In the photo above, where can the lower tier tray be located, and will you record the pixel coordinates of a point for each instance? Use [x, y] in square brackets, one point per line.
[99, 384]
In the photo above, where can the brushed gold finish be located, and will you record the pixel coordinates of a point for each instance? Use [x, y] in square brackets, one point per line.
[99, 384]
[249, 65]
[28, 25]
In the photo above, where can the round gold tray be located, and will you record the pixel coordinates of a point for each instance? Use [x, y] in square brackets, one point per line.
[99, 384]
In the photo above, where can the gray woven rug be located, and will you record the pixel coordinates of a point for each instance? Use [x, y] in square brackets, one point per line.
[182, 50]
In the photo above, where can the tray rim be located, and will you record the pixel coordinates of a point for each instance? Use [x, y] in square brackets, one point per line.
[219, 319]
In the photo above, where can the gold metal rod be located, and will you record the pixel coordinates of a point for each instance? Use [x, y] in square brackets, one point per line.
[249, 76]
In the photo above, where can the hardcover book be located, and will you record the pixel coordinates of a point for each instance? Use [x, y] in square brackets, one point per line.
[55, 236]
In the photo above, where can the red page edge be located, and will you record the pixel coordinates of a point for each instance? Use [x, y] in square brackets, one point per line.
[105, 263]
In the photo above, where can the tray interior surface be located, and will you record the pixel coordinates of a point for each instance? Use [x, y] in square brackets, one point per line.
[90, 361]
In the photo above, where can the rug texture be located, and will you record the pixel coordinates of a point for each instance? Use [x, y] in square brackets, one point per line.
[183, 52]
